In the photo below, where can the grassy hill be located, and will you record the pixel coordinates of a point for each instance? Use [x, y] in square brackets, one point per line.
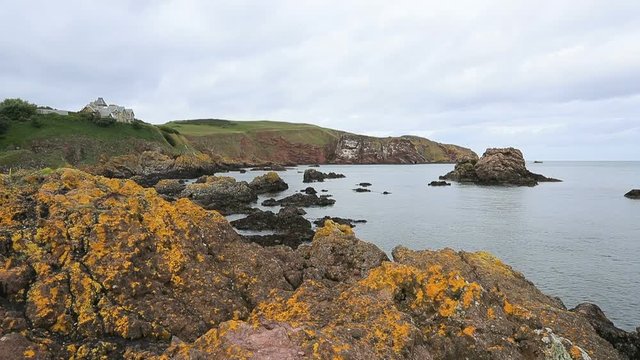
[55, 140]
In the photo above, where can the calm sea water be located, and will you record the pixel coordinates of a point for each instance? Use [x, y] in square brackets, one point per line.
[579, 239]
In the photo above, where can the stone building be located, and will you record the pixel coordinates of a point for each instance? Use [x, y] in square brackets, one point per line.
[119, 113]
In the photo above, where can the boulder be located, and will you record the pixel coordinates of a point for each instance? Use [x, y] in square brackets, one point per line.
[224, 194]
[309, 190]
[170, 187]
[301, 200]
[627, 343]
[313, 175]
[268, 183]
[364, 184]
[497, 166]
[633, 194]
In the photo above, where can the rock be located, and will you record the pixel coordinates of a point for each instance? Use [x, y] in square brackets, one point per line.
[633, 194]
[498, 166]
[120, 273]
[338, 220]
[312, 175]
[626, 343]
[314, 165]
[170, 187]
[360, 190]
[148, 167]
[300, 200]
[309, 190]
[293, 228]
[224, 194]
[439, 183]
[268, 183]
[324, 190]
[386, 193]
[364, 184]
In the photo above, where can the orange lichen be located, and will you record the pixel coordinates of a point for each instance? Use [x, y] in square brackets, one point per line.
[29, 353]
[448, 307]
[331, 227]
[575, 352]
[516, 310]
[491, 314]
[469, 331]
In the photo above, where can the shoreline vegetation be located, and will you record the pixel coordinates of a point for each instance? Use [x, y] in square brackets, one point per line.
[106, 252]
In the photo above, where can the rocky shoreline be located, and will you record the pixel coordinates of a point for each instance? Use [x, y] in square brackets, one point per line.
[92, 267]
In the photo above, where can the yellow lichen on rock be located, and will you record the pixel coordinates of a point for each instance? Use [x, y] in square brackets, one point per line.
[332, 228]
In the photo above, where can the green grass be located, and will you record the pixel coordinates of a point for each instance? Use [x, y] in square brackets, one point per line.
[22, 134]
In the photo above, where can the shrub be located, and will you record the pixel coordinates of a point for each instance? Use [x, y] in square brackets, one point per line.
[17, 109]
[137, 124]
[4, 124]
[35, 122]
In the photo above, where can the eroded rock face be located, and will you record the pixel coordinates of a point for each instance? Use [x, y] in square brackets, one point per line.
[103, 268]
[268, 183]
[499, 166]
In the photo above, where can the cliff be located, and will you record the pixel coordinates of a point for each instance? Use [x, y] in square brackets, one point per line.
[55, 140]
[92, 267]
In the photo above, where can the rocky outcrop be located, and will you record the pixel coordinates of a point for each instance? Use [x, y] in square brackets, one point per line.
[170, 187]
[301, 200]
[360, 149]
[338, 220]
[221, 193]
[361, 190]
[309, 191]
[289, 223]
[627, 343]
[313, 175]
[633, 194]
[268, 183]
[439, 183]
[92, 267]
[148, 167]
[498, 166]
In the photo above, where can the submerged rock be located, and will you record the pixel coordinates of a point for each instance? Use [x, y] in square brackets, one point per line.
[439, 183]
[498, 166]
[312, 175]
[364, 184]
[301, 200]
[268, 183]
[309, 190]
[103, 268]
[633, 194]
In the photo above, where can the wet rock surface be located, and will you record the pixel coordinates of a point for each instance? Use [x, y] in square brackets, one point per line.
[364, 184]
[633, 194]
[268, 183]
[313, 175]
[338, 220]
[498, 166]
[103, 268]
[301, 200]
[309, 190]
[361, 190]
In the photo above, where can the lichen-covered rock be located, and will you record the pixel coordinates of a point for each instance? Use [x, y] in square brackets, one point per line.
[633, 194]
[268, 183]
[103, 268]
[338, 220]
[313, 175]
[291, 228]
[498, 166]
[170, 187]
[221, 193]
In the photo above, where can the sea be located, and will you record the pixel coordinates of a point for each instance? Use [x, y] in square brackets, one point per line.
[578, 239]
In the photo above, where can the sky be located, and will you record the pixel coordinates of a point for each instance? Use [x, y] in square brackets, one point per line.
[558, 79]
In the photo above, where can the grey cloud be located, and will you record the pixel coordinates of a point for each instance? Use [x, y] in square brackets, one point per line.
[549, 77]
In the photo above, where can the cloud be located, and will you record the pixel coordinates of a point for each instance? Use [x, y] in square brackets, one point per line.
[550, 77]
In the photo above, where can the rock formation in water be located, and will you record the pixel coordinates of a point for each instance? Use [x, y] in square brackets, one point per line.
[289, 225]
[268, 183]
[313, 175]
[92, 268]
[497, 166]
[221, 193]
[300, 200]
[633, 194]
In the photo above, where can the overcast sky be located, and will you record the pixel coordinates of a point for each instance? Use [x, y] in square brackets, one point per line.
[558, 79]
